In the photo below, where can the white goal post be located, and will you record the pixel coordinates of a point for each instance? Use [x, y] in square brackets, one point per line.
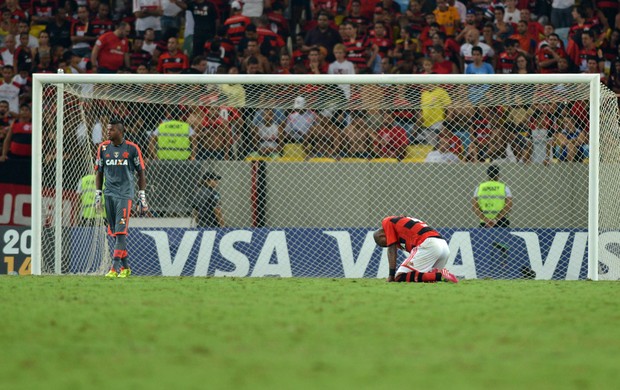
[302, 191]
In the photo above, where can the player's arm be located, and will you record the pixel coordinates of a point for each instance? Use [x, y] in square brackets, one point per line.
[98, 180]
[392, 252]
[141, 180]
[94, 55]
[6, 145]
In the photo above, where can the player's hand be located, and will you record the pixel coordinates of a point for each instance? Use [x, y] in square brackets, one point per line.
[142, 205]
[98, 201]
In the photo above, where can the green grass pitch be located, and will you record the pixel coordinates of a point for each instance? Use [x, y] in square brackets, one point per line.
[70, 332]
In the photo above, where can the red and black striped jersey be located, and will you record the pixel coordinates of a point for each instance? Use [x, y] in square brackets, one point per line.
[21, 139]
[356, 52]
[406, 232]
[505, 62]
[169, 63]
[279, 24]
[37, 8]
[102, 26]
[235, 27]
[136, 59]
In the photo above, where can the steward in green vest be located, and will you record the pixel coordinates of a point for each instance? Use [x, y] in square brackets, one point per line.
[87, 198]
[173, 141]
[492, 201]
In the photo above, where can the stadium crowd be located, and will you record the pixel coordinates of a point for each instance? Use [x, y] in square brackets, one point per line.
[321, 37]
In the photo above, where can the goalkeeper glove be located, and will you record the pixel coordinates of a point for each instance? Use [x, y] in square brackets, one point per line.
[142, 205]
[98, 200]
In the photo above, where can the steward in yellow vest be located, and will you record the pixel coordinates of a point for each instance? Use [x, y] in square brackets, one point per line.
[173, 140]
[492, 201]
[87, 198]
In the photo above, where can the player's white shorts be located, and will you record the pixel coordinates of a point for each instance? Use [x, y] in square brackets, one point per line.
[432, 253]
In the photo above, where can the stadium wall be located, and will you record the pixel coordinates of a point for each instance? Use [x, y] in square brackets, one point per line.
[329, 185]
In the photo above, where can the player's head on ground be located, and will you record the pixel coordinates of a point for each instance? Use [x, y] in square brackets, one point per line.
[116, 129]
[379, 237]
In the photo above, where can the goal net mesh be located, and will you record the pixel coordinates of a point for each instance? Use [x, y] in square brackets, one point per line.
[308, 171]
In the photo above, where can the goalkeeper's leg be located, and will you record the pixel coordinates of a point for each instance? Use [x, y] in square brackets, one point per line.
[120, 255]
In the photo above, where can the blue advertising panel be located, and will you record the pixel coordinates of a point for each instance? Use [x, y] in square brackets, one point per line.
[352, 253]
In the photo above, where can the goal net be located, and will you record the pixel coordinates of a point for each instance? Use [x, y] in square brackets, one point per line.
[310, 166]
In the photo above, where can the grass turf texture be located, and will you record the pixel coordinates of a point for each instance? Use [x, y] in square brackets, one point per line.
[149, 333]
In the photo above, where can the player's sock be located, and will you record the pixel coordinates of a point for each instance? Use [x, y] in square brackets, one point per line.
[116, 264]
[120, 251]
[419, 277]
[432, 277]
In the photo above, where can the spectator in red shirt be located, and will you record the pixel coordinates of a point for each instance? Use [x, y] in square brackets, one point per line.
[42, 11]
[356, 48]
[173, 61]
[391, 140]
[526, 43]
[535, 29]
[138, 56]
[102, 22]
[366, 7]
[17, 13]
[506, 59]
[111, 51]
[18, 141]
[441, 65]
[579, 54]
[549, 54]
[270, 43]
[278, 22]
[380, 38]
[355, 15]
[236, 23]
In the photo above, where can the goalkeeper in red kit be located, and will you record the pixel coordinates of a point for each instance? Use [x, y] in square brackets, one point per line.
[117, 162]
[428, 251]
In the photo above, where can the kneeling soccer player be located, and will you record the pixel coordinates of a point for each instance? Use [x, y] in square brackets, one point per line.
[428, 251]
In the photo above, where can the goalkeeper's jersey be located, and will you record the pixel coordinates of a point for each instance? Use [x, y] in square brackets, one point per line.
[118, 163]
